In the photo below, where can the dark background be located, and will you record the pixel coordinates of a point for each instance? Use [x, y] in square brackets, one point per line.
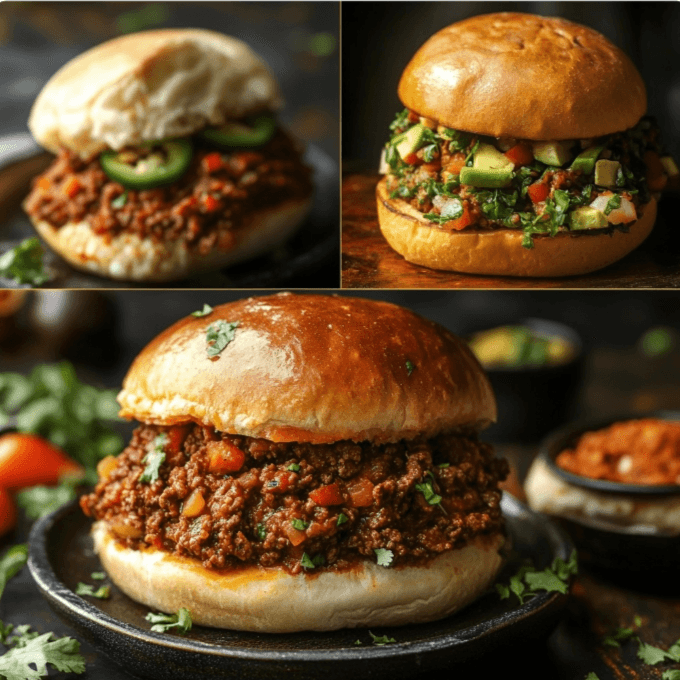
[380, 38]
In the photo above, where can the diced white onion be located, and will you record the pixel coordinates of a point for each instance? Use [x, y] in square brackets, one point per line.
[621, 215]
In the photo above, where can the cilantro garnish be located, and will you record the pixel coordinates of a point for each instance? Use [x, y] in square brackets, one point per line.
[219, 335]
[592, 676]
[311, 562]
[410, 367]
[342, 518]
[120, 201]
[207, 309]
[38, 501]
[428, 492]
[165, 622]
[31, 654]
[154, 459]
[385, 557]
[293, 467]
[527, 582]
[381, 640]
[261, 531]
[97, 575]
[11, 563]
[24, 264]
[102, 593]
[613, 203]
[299, 524]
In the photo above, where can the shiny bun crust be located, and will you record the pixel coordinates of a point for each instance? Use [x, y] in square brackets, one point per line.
[311, 368]
[499, 252]
[128, 257]
[524, 76]
[147, 86]
[258, 599]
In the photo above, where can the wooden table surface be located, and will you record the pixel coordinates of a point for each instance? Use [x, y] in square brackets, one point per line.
[369, 262]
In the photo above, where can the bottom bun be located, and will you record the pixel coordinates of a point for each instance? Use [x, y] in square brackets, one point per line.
[500, 252]
[273, 601]
[131, 258]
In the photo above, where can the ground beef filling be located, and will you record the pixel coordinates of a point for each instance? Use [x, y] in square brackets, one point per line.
[289, 504]
[205, 207]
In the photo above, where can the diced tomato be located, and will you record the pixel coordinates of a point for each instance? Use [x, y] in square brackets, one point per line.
[520, 154]
[27, 460]
[460, 222]
[538, 192]
[656, 175]
[8, 512]
[210, 203]
[327, 495]
[193, 506]
[71, 186]
[412, 159]
[224, 458]
[295, 536]
[361, 492]
[212, 162]
[176, 437]
[456, 164]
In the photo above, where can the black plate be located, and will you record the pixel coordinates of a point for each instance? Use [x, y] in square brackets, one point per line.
[61, 555]
[310, 258]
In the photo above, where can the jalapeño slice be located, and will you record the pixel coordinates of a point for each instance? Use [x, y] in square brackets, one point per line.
[155, 169]
[258, 132]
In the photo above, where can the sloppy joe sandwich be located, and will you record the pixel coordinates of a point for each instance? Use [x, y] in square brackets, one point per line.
[303, 462]
[523, 150]
[170, 160]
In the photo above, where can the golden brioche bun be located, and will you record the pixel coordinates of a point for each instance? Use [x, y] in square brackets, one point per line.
[311, 368]
[148, 86]
[128, 257]
[499, 252]
[524, 76]
[259, 599]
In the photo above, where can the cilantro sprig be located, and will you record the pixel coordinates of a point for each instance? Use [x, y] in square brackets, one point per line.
[207, 309]
[162, 623]
[219, 335]
[101, 593]
[38, 501]
[154, 459]
[385, 557]
[24, 264]
[311, 562]
[11, 563]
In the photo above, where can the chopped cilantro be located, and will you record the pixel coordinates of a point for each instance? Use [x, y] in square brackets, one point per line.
[154, 459]
[219, 335]
[410, 367]
[430, 152]
[444, 465]
[592, 676]
[162, 623]
[381, 640]
[428, 492]
[342, 518]
[385, 557]
[294, 467]
[671, 674]
[102, 593]
[31, 654]
[261, 531]
[11, 563]
[38, 501]
[120, 201]
[98, 575]
[207, 309]
[299, 524]
[311, 562]
[24, 264]
[613, 203]
[400, 121]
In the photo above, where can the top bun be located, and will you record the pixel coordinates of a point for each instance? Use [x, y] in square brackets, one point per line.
[147, 86]
[524, 76]
[311, 368]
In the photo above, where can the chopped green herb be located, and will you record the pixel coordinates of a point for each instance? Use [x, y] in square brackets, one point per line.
[613, 203]
[653, 655]
[102, 593]
[24, 264]
[431, 497]
[120, 201]
[409, 367]
[261, 532]
[207, 309]
[342, 518]
[358, 642]
[98, 575]
[385, 557]
[219, 335]
[38, 501]
[311, 562]
[11, 563]
[592, 676]
[381, 640]
[299, 524]
[671, 674]
[29, 658]
[444, 465]
[164, 622]
[154, 459]
[618, 636]
[294, 467]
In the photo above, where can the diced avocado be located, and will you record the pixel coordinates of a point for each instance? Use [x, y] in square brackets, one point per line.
[669, 166]
[552, 153]
[585, 161]
[412, 140]
[488, 157]
[605, 173]
[587, 218]
[485, 179]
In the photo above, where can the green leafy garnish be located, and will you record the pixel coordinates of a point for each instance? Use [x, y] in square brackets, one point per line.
[613, 203]
[342, 518]
[29, 658]
[299, 524]
[24, 264]
[207, 309]
[11, 563]
[592, 676]
[219, 335]
[381, 640]
[97, 575]
[102, 593]
[311, 562]
[293, 467]
[162, 623]
[261, 531]
[428, 492]
[154, 459]
[120, 201]
[409, 367]
[385, 556]
[38, 501]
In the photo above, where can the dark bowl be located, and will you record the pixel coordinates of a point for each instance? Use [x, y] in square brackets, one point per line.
[645, 556]
[533, 400]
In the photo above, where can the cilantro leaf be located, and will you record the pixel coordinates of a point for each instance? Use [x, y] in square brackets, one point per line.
[428, 492]
[98, 575]
[207, 309]
[219, 335]
[410, 367]
[29, 661]
[38, 501]
[381, 640]
[154, 459]
[261, 531]
[293, 467]
[11, 563]
[299, 524]
[618, 636]
[385, 557]
[652, 655]
[592, 676]
[120, 201]
[546, 580]
[162, 623]
[671, 674]
[24, 264]
[102, 593]
[311, 562]
[342, 518]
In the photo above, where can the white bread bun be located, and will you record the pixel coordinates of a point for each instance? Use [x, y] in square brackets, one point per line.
[147, 86]
[311, 368]
[547, 492]
[131, 258]
[499, 252]
[524, 76]
[273, 601]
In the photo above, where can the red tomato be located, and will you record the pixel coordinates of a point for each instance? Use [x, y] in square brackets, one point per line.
[327, 495]
[212, 162]
[461, 222]
[224, 458]
[8, 512]
[176, 437]
[520, 154]
[538, 192]
[27, 460]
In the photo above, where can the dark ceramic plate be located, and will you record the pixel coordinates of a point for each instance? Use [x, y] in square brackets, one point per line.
[311, 258]
[61, 555]
[568, 436]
